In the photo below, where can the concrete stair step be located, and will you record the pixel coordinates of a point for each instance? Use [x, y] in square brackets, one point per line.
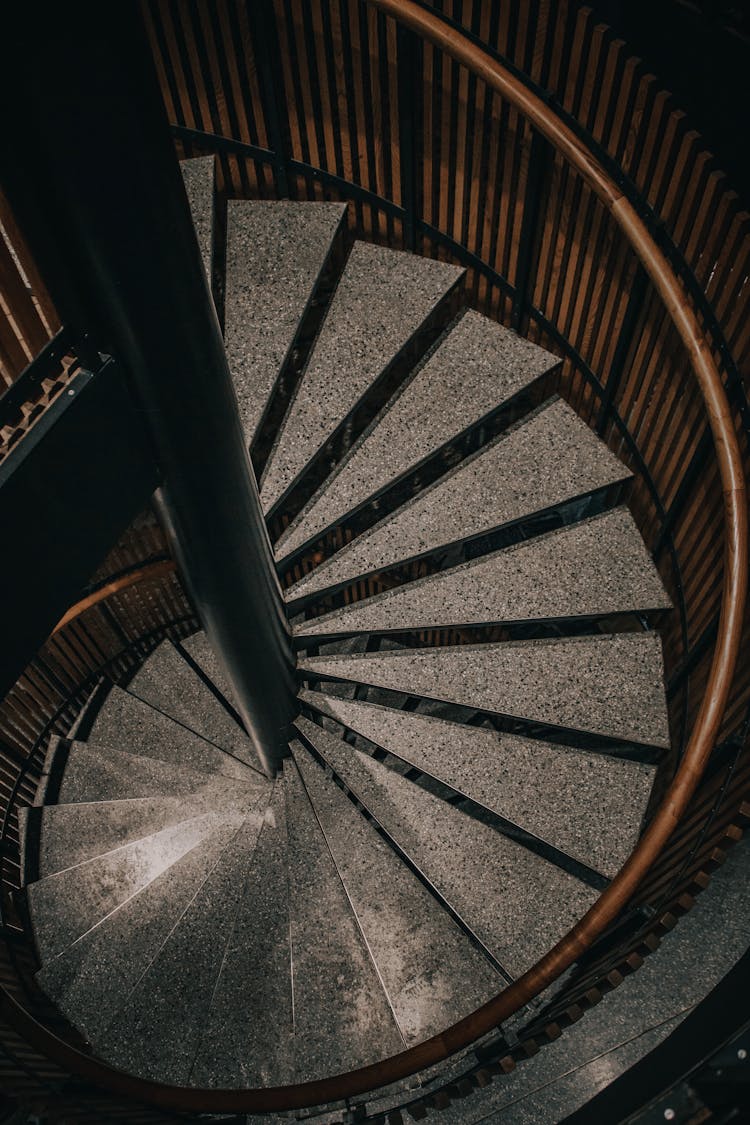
[611, 685]
[382, 300]
[70, 903]
[549, 459]
[431, 973]
[276, 251]
[168, 683]
[198, 647]
[71, 834]
[157, 1031]
[92, 977]
[592, 569]
[198, 177]
[515, 903]
[342, 1019]
[125, 721]
[99, 773]
[248, 1034]
[477, 368]
[588, 805]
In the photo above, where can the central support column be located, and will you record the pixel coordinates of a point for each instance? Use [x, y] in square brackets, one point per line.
[89, 168]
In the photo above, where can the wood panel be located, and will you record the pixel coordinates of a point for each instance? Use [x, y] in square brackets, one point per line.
[27, 317]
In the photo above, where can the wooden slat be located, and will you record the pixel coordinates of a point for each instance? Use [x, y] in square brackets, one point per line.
[339, 79]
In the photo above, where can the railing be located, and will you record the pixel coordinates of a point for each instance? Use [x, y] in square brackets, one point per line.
[479, 163]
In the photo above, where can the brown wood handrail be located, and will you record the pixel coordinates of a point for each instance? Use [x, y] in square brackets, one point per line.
[132, 578]
[430, 27]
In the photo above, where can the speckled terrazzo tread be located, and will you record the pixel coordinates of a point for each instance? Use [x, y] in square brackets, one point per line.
[611, 685]
[68, 904]
[431, 973]
[72, 834]
[544, 461]
[125, 721]
[594, 803]
[99, 773]
[156, 1032]
[476, 369]
[198, 177]
[342, 1018]
[92, 977]
[168, 683]
[516, 903]
[592, 569]
[383, 298]
[276, 250]
[248, 1036]
[198, 647]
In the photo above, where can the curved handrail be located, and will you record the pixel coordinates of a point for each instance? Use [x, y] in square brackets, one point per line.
[132, 578]
[544, 119]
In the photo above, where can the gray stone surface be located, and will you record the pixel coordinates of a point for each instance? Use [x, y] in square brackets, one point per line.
[129, 724]
[516, 903]
[157, 1032]
[98, 773]
[198, 177]
[55, 751]
[550, 458]
[431, 972]
[275, 252]
[248, 1037]
[631, 1020]
[168, 683]
[68, 904]
[611, 685]
[199, 648]
[92, 978]
[342, 1019]
[382, 299]
[74, 833]
[587, 805]
[478, 366]
[597, 567]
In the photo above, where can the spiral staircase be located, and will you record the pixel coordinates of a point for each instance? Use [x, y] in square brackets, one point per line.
[482, 705]
[466, 730]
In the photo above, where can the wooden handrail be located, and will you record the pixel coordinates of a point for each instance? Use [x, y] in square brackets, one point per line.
[132, 578]
[580, 938]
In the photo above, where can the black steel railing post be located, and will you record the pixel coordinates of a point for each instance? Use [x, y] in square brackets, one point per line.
[409, 76]
[265, 37]
[541, 156]
[89, 169]
[625, 346]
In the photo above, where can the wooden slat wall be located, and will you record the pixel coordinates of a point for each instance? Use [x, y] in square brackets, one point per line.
[27, 317]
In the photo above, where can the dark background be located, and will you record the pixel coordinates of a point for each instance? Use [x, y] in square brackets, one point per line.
[700, 49]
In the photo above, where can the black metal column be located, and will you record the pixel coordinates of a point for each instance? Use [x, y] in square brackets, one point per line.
[90, 172]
